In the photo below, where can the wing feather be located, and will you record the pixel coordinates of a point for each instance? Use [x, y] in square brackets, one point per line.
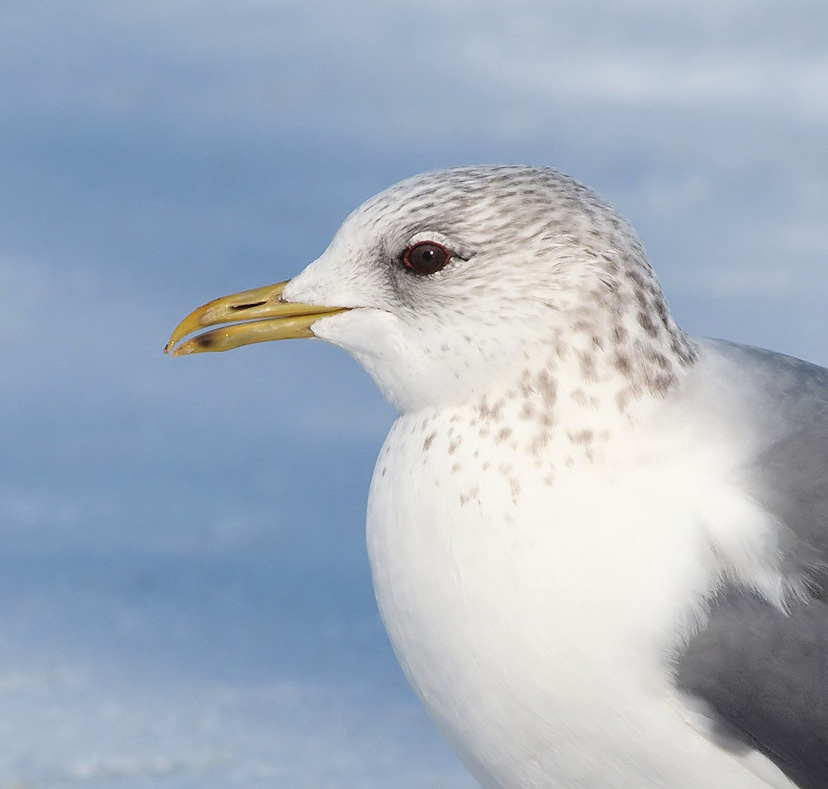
[764, 673]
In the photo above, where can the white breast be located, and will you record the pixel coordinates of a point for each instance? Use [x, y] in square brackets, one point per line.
[535, 613]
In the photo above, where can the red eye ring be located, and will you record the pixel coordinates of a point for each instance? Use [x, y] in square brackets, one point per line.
[426, 257]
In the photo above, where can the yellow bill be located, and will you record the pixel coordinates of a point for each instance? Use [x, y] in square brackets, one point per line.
[257, 315]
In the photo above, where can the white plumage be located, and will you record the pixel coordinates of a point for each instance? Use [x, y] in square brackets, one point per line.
[576, 494]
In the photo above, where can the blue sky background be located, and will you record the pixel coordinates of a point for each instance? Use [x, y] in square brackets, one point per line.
[184, 593]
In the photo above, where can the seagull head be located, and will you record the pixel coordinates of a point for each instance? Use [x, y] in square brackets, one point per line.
[449, 281]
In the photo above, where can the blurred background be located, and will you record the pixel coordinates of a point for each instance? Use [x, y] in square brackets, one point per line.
[184, 593]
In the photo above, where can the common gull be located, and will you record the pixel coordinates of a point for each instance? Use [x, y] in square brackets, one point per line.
[598, 544]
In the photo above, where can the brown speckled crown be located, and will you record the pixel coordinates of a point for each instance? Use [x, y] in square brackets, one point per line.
[545, 257]
[616, 314]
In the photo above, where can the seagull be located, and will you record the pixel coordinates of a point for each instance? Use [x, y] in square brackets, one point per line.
[599, 545]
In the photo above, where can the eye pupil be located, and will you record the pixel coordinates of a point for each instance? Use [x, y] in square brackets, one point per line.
[426, 257]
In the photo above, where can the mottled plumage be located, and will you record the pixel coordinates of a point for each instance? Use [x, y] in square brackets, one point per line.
[599, 546]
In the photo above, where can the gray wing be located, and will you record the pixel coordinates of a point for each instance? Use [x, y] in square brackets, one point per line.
[764, 674]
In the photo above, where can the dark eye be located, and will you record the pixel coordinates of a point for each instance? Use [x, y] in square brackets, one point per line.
[426, 257]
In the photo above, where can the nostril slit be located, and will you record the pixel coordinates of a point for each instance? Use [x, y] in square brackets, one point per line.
[247, 306]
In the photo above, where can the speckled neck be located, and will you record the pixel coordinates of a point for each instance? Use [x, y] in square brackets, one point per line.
[564, 409]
